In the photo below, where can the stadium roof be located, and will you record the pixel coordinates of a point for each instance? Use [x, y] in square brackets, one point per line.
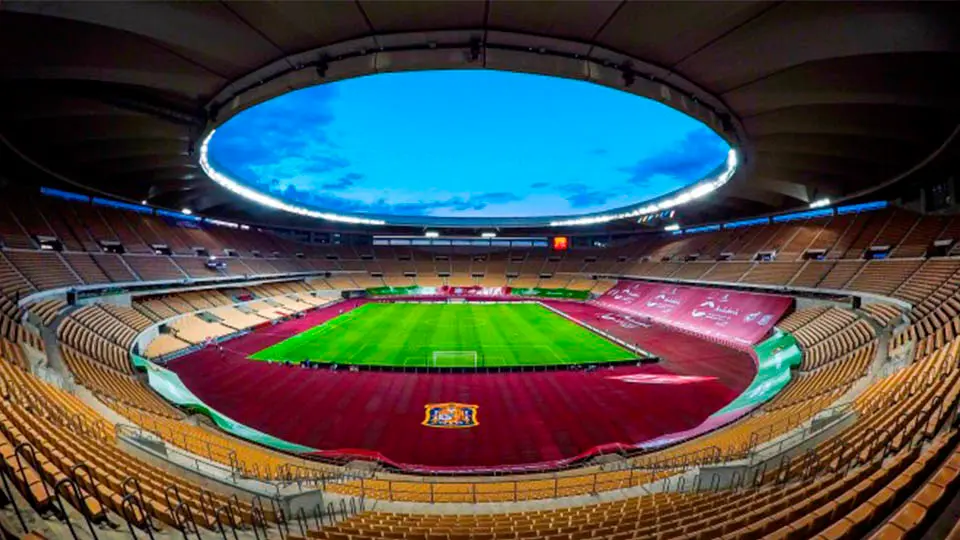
[823, 99]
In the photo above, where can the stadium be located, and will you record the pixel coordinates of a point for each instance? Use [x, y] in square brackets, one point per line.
[481, 269]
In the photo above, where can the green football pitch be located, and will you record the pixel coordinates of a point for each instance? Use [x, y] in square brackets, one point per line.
[447, 335]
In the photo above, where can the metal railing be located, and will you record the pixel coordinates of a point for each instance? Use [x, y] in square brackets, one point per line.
[202, 454]
[68, 502]
[624, 474]
[263, 518]
[629, 471]
[186, 460]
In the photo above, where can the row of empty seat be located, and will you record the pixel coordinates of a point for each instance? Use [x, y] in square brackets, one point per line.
[835, 379]
[118, 390]
[64, 432]
[897, 443]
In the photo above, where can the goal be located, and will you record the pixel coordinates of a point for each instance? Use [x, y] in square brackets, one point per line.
[456, 359]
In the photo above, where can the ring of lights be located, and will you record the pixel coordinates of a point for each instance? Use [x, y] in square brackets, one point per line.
[477, 49]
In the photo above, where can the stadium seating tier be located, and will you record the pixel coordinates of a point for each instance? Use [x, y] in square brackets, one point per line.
[901, 452]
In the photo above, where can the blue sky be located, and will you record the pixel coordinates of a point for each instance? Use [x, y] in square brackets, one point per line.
[476, 143]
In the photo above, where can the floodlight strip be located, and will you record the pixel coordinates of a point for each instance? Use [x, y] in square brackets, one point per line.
[792, 216]
[266, 200]
[700, 190]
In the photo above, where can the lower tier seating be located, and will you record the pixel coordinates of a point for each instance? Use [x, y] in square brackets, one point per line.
[63, 432]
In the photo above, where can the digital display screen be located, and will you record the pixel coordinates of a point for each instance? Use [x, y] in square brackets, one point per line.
[560, 243]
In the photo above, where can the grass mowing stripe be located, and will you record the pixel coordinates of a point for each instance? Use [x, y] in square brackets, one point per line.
[398, 334]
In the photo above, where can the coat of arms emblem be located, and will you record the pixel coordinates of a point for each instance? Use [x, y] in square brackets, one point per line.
[450, 415]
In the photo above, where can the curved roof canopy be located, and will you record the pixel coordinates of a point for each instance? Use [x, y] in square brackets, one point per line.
[464, 148]
[821, 99]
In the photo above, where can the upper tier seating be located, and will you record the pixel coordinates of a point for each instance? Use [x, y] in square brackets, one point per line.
[45, 270]
[774, 273]
[152, 268]
[85, 231]
[883, 278]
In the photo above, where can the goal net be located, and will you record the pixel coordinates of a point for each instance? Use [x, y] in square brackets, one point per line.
[455, 359]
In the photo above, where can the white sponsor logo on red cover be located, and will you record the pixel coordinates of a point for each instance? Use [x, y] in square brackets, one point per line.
[662, 378]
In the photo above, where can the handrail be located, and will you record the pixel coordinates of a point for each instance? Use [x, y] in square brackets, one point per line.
[81, 504]
[132, 502]
[225, 510]
[183, 517]
[132, 433]
[622, 475]
[131, 487]
[9, 495]
[282, 473]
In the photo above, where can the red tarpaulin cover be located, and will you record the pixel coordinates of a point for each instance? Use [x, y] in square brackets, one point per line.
[739, 318]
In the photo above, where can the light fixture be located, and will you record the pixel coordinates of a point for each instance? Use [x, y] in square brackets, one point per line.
[222, 223]
[186, 211]
[672, 227]
[702, 189]
[143, 202]
[266, 200]
[820, 203]
[488, 235]
[432, 234]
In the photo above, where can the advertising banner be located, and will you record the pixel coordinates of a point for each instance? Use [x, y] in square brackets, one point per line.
[739, 318]
[389, 291]
[538, 292]
[472, 291]
[476, 291]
